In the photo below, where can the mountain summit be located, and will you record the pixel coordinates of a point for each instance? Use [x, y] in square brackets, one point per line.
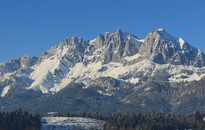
[116, 67]
[113, 46]
[163, 48]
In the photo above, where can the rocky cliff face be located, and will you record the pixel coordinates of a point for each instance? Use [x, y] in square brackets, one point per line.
[113, 47]
[14, 65]
[163, 48]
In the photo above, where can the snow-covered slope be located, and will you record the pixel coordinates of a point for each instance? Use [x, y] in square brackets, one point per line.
[74, 57]
[119, 55]
[133, 73]
[17, 64]
[54, 65]
[65, 123]
[15, 73]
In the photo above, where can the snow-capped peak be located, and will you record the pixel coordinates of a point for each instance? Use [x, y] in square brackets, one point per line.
[169, 40]
[164, 35]
[127, 36]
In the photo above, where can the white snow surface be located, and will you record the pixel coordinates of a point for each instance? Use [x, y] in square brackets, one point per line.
[170, 40]
[85, 74]
[43, 74]
[92, 41]
[130, 58]
[64, 123]
[5, 91]
[160, 29]
[132, 38]
[181, 43]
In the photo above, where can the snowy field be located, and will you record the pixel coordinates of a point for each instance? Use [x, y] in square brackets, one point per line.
[70, 123]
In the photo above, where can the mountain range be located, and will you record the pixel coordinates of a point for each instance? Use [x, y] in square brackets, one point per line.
[115, 72]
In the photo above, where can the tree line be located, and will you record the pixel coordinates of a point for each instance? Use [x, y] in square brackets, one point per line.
[148, 121]
[19, 120]
[22, 120]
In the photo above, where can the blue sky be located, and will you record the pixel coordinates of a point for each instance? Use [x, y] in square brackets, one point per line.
[30, 27]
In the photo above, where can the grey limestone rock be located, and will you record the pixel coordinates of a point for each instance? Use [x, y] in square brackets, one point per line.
[163, 48]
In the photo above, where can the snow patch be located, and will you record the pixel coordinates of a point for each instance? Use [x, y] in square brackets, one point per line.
[147, 89]
[49, 123]
[92, 41]
[130, 58]
[104, 93]
[185, 77]
[5, 91]
[160, 29]
[142, 40]
[133, 80]
[181, 43]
